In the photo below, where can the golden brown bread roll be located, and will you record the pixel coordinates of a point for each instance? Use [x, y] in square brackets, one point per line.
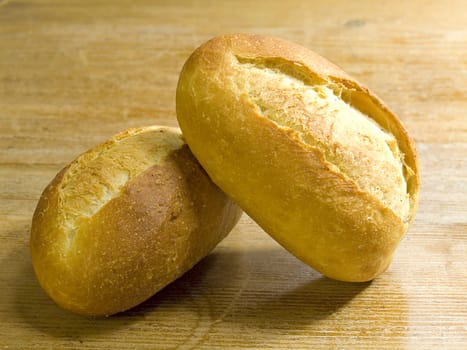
[125, 219]
[310, 154]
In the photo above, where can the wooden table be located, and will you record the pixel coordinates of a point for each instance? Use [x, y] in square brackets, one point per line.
[72, 73]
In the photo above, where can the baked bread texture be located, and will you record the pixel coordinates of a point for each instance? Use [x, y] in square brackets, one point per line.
[125, 219]
[314, 157]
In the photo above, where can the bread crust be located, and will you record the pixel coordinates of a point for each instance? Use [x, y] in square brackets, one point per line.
[162, 222]
[289, 187]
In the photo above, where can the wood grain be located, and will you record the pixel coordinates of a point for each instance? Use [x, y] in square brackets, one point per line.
[73, 73]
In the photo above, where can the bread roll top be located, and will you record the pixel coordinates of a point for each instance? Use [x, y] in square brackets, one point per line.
[311, 98]
[309, 153]
[125, 219]
[99, 175]
[313, 108]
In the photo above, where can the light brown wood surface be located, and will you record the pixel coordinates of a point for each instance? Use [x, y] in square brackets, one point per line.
[72, 73]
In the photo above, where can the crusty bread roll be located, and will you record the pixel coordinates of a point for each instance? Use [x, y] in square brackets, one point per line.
[125, 219]
[310, 154]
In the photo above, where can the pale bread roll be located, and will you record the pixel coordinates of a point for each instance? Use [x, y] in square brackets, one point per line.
[309, 153]
[125, 219]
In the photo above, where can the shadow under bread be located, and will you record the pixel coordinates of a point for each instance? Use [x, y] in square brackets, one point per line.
[270, 292]
[235, 287]
[33, 308]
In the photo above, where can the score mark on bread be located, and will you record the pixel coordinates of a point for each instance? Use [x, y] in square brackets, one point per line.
[100, 175]
[314, 109]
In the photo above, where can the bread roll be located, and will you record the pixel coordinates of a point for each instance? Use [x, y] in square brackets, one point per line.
[315, 158]
[125, 219]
